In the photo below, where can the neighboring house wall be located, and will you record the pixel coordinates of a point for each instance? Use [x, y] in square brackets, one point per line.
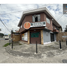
[46, 36]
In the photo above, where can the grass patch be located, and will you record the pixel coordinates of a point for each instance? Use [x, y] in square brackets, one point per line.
[20, 44]
[6, 45]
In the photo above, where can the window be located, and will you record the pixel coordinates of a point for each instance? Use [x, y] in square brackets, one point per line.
[48, 20]
[36, 18]
[36, 34]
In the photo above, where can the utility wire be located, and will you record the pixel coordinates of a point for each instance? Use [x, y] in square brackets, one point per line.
[12, 12]
[60, 17]
[4, 24]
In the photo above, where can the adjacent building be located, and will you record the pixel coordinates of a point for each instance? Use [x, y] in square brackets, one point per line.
[39, 26]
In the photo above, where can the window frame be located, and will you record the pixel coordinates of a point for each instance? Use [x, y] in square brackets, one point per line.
[33, 18]
[47, 20]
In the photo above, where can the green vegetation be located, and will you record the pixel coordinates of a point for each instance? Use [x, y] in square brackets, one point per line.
[1, 34]
[6, 45]
[20, 44]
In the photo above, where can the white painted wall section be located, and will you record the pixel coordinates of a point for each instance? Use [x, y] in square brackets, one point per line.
[25, 37]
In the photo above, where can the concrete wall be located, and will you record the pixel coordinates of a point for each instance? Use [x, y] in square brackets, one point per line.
[46, 36]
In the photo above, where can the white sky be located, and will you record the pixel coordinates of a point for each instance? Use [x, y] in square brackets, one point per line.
[11, 14]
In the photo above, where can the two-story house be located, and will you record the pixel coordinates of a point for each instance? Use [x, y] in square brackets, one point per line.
[43, 27]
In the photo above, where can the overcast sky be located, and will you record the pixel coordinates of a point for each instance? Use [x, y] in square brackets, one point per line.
[11, 14]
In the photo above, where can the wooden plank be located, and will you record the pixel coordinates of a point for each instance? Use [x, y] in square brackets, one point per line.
[16, 38]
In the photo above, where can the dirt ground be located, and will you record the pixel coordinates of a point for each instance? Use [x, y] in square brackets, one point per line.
[49, 53]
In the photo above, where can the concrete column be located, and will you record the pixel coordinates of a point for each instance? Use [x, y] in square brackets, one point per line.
[42, 37]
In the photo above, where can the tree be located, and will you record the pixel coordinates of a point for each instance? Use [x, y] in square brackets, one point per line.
[65, 29]
[1, 34]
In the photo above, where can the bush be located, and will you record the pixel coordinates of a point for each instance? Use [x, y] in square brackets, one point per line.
[6, 45]
[20, 44]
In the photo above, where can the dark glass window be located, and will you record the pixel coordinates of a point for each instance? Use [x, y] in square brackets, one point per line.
[36, 18]
[35, 34]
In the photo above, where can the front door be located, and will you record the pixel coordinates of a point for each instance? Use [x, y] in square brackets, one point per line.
[52, 37]
[35, 36]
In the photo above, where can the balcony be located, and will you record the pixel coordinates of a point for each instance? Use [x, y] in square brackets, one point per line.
[55, 29]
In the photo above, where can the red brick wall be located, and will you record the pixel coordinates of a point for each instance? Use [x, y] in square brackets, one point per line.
[28, 18]
[49, 26]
